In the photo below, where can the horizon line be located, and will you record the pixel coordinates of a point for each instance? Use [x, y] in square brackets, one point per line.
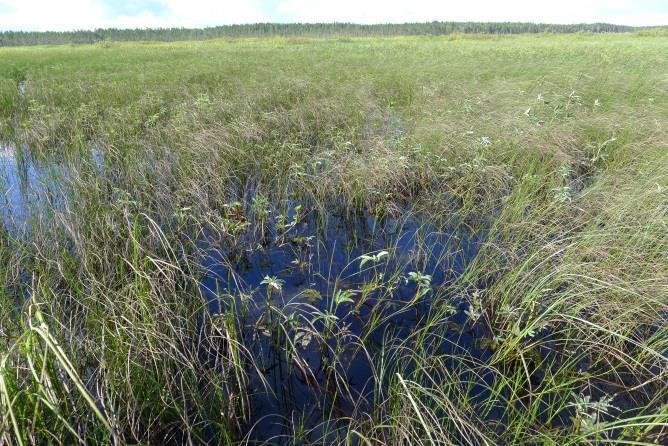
[376, 24]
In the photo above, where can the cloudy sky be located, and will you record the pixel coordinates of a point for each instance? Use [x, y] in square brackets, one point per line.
[90, 14]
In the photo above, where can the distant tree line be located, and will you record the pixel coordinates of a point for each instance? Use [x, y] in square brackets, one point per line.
[16, 38]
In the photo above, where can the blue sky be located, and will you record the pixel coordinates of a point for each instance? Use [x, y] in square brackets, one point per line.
[90, 14]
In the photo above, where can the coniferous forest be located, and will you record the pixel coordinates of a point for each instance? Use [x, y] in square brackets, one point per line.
[17, 38]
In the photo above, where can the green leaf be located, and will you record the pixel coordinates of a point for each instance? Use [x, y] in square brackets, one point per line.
[273, 282]
[342, 296]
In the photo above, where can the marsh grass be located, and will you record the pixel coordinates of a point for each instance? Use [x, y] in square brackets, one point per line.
[540, 159]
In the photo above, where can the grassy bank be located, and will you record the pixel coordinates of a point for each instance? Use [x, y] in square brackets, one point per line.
[527, 177]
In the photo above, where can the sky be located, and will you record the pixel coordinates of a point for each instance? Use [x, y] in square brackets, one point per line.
[61, 15]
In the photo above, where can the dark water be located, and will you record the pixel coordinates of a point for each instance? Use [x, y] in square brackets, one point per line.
[276, 273]
[310, 359]
[312, 260]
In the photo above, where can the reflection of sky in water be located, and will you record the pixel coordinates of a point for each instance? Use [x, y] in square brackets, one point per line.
[25, 186]
[17, 179]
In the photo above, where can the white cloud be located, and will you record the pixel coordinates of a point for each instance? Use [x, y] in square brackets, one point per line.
[632, 12]
[40, 15]
[89, 14]
[58, 15]
[195, 13]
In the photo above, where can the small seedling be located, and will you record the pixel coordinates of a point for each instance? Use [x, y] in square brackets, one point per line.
[364, 259]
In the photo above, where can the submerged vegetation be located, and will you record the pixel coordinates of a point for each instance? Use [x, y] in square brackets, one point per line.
[366, 241]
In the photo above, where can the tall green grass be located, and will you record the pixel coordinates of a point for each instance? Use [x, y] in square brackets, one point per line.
[554, 147]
